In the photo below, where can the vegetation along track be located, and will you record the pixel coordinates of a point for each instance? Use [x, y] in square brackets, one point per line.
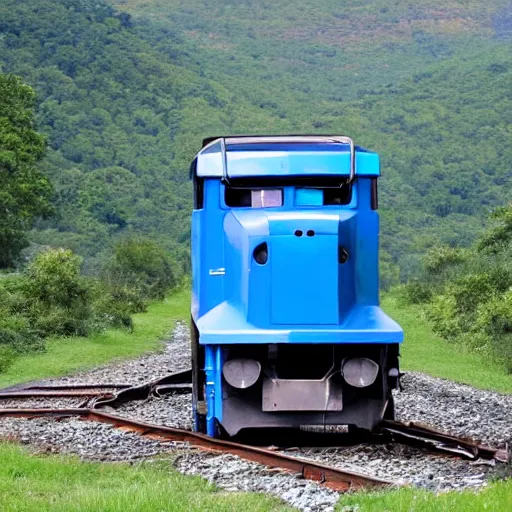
[160, 411]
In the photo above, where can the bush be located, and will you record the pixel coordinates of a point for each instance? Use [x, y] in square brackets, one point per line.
[116, 304]
[60, 298]
[495, 320]
[418, 292]
[51, 298]
[142, 265]
[443, 314]
[7, 357]
[441, 257]
[21, 340]
[53, 278]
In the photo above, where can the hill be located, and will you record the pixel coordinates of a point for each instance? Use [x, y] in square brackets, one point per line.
[128, 89]
[122, 122]
[420, 83]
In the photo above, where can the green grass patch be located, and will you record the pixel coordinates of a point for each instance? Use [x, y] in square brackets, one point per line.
[65, 484]
[424, 351]
[65, 355]
[496, 498]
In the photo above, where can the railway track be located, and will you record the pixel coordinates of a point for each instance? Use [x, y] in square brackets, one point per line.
[87, 401]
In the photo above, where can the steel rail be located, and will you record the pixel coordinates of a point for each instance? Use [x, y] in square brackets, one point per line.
[405, 432]
[43, 412]
[417, 433]
[335, 478]
[24, 394]
[57, 387]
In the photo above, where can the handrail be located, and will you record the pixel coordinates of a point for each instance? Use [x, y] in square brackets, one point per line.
[283, 139]
[225, 177]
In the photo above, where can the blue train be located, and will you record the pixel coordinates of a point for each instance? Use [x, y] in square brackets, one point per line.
[286, 325]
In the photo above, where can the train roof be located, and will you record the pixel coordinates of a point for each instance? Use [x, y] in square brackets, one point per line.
[283, 155]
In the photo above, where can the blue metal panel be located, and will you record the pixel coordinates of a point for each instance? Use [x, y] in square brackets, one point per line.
[304, 279]
[286, 162]
[302, 294]
[208, 252]
[213, 370]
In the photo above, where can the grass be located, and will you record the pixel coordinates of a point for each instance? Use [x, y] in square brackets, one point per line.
[29, 483]
[495, 498]
[58, 484]
[66, 355]
[424, 351]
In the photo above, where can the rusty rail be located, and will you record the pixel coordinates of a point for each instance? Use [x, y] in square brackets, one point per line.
[417, 433]
[335, 478]
[55, 394]
[71, 387]
[41, 413]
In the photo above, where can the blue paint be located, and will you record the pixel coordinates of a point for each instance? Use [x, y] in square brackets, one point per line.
[288, 160]
[302, 294]
[308, 197]
[213, 369]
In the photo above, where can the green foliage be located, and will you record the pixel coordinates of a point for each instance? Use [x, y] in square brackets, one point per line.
[125, 102]
[140, 264]
[499, 238]
[439, 258]
[495, 320]
[52, 298]
[53, 278]
[7, 355]
[63, 356]
[24, 190]
[468, 295]
[417, 291]
[60, 299]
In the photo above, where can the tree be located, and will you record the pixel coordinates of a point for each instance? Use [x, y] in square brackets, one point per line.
[24, 190]
[143, 265]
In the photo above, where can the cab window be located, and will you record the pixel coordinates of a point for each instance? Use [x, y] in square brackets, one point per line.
[253, 198]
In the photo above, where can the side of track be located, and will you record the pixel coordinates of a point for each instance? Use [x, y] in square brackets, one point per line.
[100, 395]
[334, 478]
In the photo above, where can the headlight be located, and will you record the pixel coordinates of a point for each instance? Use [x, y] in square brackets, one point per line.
[241, 373]
[359, 372]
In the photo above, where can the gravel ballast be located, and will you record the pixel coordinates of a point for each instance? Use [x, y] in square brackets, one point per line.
[454, 408]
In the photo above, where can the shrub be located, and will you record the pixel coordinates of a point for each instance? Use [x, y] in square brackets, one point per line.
[443, 315]
[441, 257]
[495, 320]
[115, 305]
[7, 356]
[53, 278]
[500, 237]
[417, 292]
[140, 264]
[21, 340]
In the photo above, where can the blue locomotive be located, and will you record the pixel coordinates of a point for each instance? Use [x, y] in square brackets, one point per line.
[286, 325]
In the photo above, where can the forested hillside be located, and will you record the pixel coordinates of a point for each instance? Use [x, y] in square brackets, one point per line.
[467, 292]
[427, 84]
[122, 120]
[127, 89]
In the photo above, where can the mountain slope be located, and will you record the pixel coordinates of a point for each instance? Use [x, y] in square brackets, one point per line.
[122, 121]
[125, 101]
[427, 85]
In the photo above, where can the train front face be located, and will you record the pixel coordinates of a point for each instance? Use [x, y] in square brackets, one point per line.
[286, 325]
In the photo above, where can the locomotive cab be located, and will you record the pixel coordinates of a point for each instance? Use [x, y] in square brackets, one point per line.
[286, 325]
